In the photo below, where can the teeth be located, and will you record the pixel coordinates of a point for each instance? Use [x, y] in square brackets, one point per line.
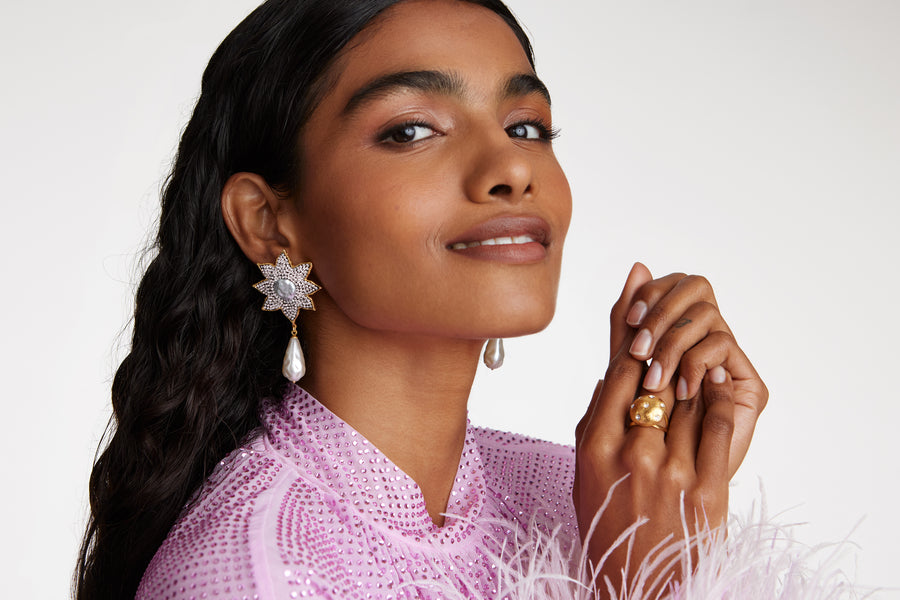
[500, 241]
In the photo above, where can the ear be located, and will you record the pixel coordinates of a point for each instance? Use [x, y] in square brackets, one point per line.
[262, 222]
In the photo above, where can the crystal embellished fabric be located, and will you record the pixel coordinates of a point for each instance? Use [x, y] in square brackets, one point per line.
[309, 508]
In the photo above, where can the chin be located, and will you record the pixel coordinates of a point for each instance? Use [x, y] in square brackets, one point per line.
[516, 323]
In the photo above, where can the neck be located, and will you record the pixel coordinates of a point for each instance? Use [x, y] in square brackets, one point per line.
[407, 394]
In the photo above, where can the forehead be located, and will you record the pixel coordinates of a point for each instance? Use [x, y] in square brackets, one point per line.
[446, 35]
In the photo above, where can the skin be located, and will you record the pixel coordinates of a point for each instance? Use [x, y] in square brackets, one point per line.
[388, 184]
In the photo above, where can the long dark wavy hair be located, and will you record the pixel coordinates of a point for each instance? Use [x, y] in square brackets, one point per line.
[202, 352]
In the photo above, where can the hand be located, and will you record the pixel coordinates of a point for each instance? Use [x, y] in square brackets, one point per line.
[720, 397]
[681, 329]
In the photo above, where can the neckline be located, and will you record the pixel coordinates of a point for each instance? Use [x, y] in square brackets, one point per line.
[357, 477]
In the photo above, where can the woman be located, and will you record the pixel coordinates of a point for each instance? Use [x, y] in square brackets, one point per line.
[404, 150]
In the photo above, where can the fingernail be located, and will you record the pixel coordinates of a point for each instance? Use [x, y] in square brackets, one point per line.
[641, 344]
[681, 389]
[653, 377]
[717, 374]
[637, 313]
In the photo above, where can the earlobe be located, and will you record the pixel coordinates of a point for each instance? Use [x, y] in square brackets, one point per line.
[259, 219]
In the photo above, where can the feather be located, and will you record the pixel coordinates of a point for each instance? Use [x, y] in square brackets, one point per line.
[760, 558]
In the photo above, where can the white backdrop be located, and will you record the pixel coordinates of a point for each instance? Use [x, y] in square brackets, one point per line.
[757, 143]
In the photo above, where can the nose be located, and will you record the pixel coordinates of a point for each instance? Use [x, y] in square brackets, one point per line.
[501, 170]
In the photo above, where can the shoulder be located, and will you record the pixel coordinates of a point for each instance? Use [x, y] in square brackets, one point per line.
[532, 477]
[506, 451]
[211, 545]
[502, 443]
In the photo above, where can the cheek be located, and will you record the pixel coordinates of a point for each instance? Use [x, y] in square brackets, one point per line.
[377, 247]
[561, 198]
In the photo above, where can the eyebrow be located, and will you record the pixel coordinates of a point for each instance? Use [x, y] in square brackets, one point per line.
[438, 82]
[525, 84]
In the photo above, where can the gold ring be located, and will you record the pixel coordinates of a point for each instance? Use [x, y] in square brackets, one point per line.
[648, 411]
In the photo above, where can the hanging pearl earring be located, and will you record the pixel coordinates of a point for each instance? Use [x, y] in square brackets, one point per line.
[493, 353]
[287, 289]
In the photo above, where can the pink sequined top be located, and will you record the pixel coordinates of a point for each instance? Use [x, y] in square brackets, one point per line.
[310, 508]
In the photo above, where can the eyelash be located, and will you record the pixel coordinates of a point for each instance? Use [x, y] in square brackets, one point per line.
[546, 133]
[385, 137]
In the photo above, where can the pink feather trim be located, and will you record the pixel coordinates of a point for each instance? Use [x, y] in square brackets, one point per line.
[759, 559]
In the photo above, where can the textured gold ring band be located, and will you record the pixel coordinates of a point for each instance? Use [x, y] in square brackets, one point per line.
[648, 411]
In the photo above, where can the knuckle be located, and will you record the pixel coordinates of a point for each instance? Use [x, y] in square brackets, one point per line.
[706, 308]
[689, 406]
[657, 315]
[763, 395]
[718, 424]
[579, 430]
[721, 338]
[648, 291]
[676, 476]
[667, 349]
[600, 449]
[692, 366]
[617, 313]
[639, 461]
[621, 367]
[717, 395]
[651, 291]
[701, 284]
[696, 498]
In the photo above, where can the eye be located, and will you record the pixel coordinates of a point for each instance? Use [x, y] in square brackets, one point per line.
[531, 131]
[407, 133]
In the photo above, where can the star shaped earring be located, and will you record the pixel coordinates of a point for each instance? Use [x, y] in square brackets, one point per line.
[287, 289]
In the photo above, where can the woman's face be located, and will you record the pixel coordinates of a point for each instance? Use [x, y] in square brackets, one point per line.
[428, 155]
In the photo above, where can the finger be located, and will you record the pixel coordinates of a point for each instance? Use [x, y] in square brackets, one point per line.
[750, 393]
[695, 324]
[666, 310]
[685, 425]
[750, 397]
[717, 429]
[649, 295]
[717, 348]
[618, 328]
[620, 383]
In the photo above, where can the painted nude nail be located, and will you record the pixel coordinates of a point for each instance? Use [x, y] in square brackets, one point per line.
[637, 313]
[641, 344]
[653, 377]
[681, 389]
[717, 374]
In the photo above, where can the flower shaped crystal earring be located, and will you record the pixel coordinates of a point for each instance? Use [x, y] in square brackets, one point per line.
[287, 289]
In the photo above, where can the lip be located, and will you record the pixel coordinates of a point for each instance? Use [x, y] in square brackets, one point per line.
[507, 226]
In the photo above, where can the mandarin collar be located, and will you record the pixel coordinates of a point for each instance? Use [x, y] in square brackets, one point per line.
[357, 476]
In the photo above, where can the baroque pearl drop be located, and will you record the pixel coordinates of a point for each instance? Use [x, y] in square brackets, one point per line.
[294, 365]
[493, 353]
